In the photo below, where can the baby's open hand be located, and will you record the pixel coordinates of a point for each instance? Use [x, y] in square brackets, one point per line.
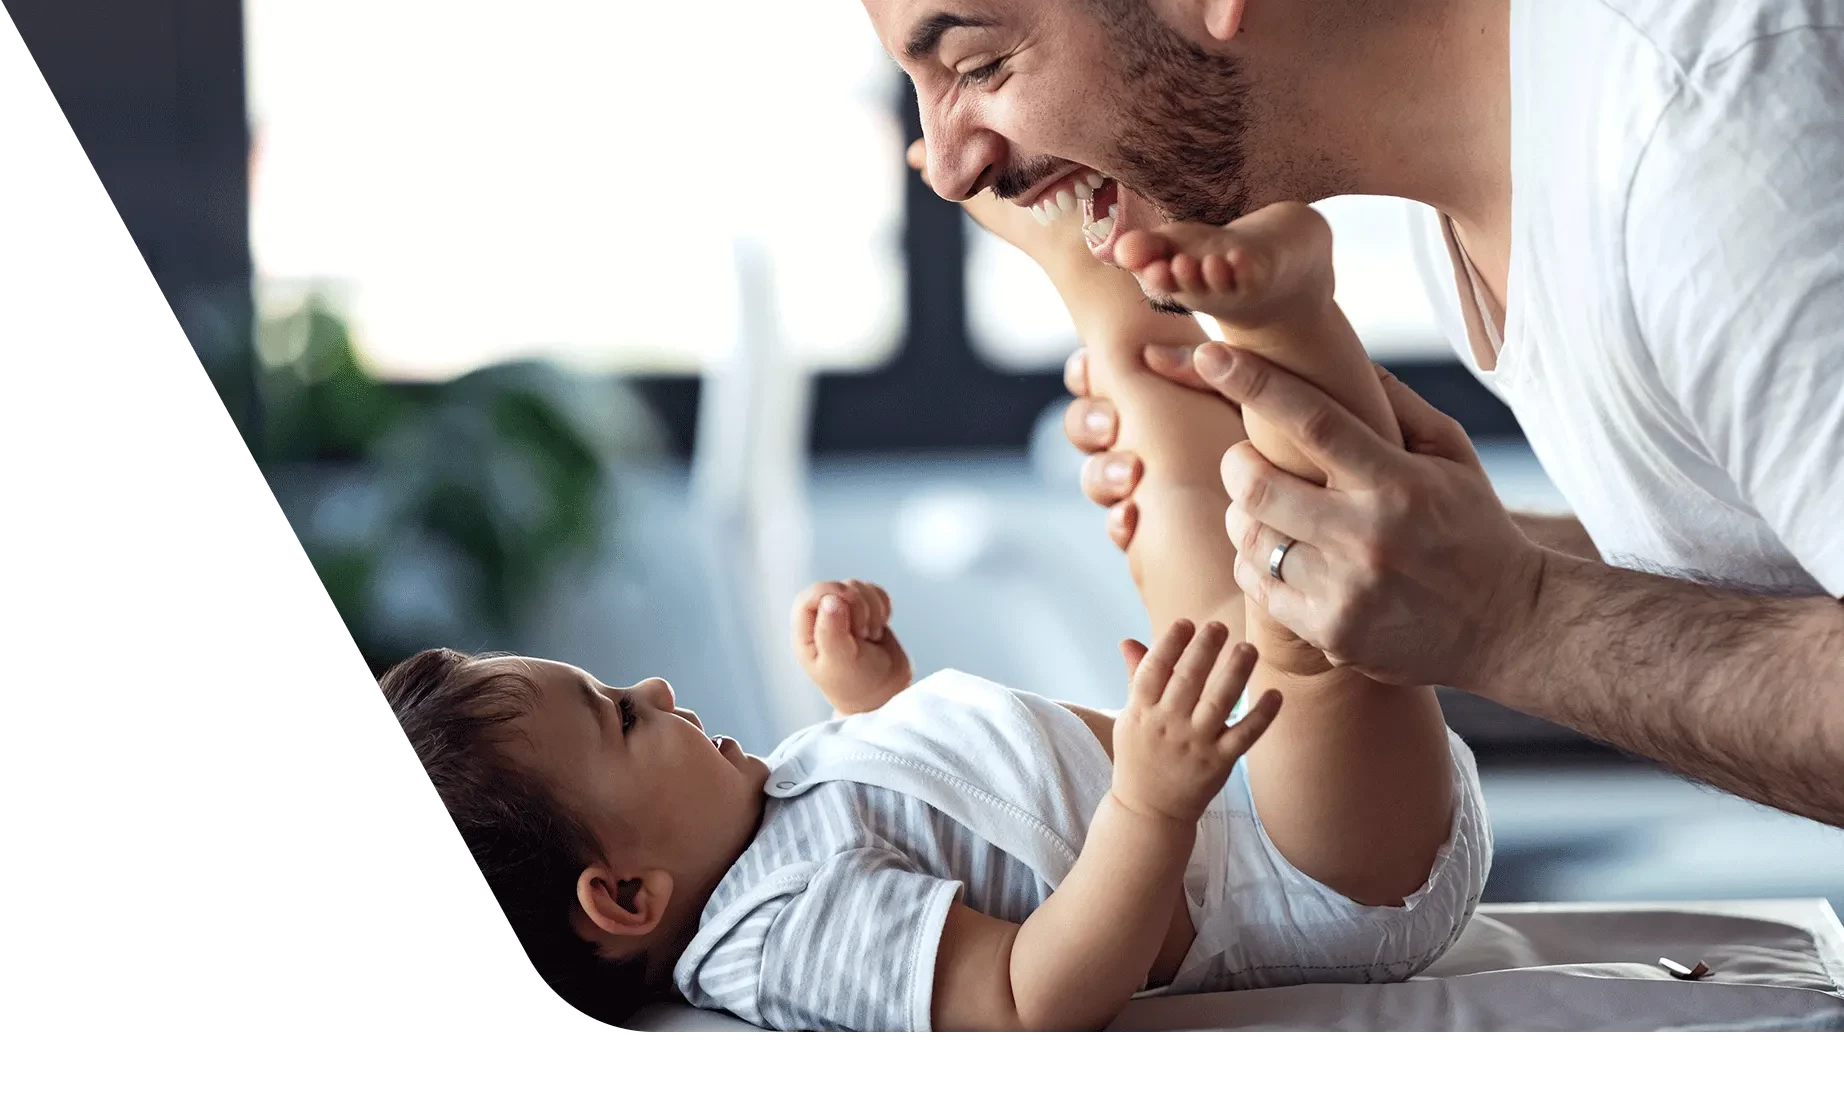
[843, 640]
[1173, 748]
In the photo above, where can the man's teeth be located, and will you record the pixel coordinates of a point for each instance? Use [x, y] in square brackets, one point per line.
[1102, 230]
[1068, 200]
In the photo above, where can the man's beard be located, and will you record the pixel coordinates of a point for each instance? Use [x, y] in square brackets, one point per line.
[1184, 121]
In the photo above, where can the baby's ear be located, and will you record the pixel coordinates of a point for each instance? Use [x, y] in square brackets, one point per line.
[624, 906]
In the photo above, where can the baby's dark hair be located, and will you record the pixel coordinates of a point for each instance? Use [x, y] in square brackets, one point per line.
[529, 846]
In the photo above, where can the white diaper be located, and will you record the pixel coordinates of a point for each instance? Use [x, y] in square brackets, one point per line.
[1261, 923]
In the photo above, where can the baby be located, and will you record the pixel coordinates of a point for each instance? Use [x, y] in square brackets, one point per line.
[953, 854]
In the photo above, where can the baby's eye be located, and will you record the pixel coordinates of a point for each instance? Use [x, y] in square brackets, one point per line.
[626, 706]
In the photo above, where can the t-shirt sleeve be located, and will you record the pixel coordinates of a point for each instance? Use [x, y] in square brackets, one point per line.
[855, 950]
[1733, 230]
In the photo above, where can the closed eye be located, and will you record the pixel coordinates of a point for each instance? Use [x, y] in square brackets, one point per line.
[983, 75]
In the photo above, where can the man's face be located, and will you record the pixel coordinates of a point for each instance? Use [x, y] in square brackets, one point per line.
[1031, 98]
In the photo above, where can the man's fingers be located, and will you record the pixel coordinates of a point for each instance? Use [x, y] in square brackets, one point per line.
[1426, 430]
[1175, 362]
[1155, 670]
[1123, 519]
[1091, 424]
[1186, 686]
[1282, 598]
[917, 156]
[1302, 568]
[1109, 477]
[1328, 433]
[1075, 373]
[1264, 493]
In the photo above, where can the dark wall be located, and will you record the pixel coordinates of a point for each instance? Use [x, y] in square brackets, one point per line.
[154, 90]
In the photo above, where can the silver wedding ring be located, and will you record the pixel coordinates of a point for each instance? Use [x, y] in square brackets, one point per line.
[1274, 559]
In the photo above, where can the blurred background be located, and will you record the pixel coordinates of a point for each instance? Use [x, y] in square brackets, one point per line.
[594, 330]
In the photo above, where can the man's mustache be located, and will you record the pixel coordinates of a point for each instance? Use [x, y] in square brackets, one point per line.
[1014, 182]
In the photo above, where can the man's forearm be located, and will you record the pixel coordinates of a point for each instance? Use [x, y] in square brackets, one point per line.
[1745, 693]
[1560, 533]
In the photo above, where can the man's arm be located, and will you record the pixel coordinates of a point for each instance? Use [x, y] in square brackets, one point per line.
[1420, 576]
[1559, 533]
[1744, 693]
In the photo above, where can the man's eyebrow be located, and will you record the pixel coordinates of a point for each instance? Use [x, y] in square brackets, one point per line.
[927, 35]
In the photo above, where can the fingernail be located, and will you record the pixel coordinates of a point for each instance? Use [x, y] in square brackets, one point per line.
[1216, 362]
[1117, 473]
[1170, 355]
[1097, 421]
[831, 604]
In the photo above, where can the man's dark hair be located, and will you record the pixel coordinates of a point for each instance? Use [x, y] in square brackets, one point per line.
[531, 849]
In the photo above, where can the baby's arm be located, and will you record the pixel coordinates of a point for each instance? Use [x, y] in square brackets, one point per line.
[1077, 960]
[843, 640]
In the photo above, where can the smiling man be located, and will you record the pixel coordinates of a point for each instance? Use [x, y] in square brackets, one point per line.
[1662, 308]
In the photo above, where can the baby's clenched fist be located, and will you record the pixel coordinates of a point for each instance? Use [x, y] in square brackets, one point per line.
[844, 643]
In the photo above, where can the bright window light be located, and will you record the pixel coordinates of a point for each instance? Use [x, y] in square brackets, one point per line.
[1019, 323]
[473, 180]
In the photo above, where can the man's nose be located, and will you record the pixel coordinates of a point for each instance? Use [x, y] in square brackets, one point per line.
[960, 158]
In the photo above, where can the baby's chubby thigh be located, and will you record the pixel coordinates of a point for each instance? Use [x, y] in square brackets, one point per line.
[1276, 926]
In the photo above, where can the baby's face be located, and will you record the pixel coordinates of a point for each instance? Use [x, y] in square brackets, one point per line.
[638, 769]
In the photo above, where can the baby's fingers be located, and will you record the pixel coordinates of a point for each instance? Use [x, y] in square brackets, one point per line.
[806, 614]
[858, 595]
[1193, 668]
[880, 608]
[1241, 737]
[832, 630]
[1149, 679]
[1228, 676]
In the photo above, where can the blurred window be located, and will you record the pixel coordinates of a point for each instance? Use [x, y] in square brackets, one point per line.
[475, 181]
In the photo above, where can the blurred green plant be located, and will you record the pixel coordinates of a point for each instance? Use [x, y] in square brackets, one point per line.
[433, 513]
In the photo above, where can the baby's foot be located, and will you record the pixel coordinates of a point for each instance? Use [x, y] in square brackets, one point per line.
[1272, 267]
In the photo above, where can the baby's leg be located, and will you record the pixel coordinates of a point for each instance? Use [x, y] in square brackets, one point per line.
[1181, 559]
[1267, 279]
[1353, 781]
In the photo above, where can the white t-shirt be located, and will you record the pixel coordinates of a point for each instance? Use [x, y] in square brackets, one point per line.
[1674, 334]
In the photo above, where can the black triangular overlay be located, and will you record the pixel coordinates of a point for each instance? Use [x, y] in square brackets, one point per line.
[290, 856]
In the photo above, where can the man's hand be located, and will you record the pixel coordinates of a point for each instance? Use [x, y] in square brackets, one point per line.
[1405, 565]
[1092, 424]
[1173, 747]
[843, 640]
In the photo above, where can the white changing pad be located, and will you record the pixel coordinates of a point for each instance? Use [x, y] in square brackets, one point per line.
[1775, 965]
